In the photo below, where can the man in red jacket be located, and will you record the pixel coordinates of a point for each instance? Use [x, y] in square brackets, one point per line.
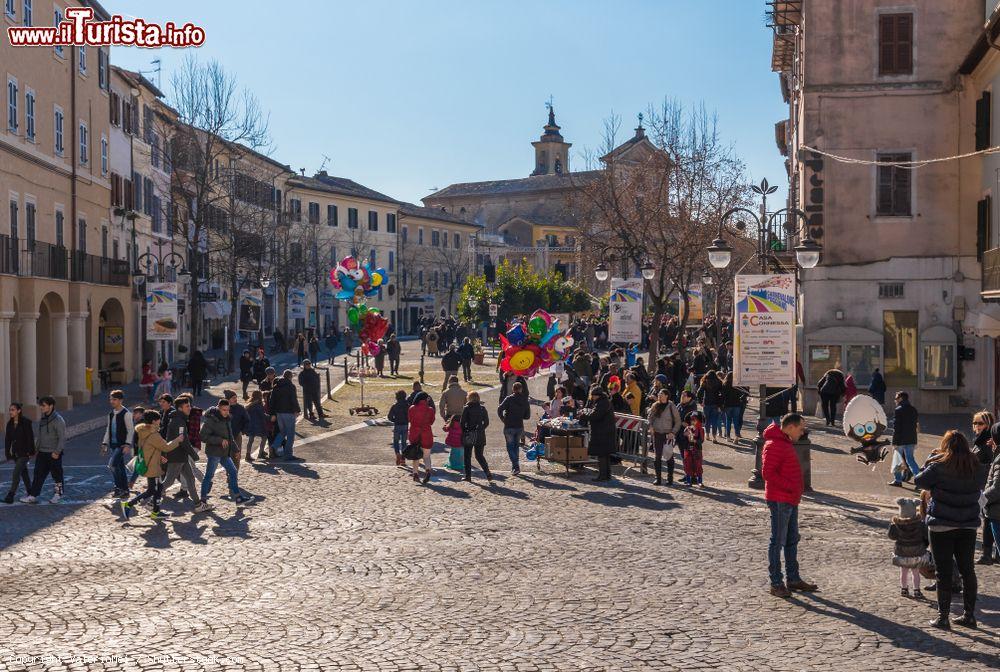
[783, 489]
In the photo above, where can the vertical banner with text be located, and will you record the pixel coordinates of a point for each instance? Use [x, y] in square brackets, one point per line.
[764, 338]
[161, 311]
[248, 316]
[296, 303]
[625, 310]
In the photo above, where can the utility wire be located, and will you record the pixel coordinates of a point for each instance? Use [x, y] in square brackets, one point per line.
[908, 165]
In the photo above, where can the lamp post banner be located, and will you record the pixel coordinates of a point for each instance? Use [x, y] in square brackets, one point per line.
[625, 309]
[696, 310]
[248, 315]
[161, 311]
[296, 303]
[764, 334]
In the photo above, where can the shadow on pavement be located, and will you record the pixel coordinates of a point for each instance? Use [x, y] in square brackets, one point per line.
[546, 485]
[723, 496]
[622, 498]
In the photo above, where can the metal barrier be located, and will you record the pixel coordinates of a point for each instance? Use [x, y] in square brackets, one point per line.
[632, 440]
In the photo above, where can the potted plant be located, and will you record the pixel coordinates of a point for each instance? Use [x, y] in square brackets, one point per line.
[477, 352]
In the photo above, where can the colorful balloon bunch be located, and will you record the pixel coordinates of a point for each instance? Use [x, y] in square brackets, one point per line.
[370, 324]
[353, 279]
[534, 345]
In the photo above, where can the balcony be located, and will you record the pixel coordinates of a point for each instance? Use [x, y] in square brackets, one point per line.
[991, 274]
[45, 260]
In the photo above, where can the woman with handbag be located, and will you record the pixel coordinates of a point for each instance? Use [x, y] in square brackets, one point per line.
[421, 417]
[474, 422]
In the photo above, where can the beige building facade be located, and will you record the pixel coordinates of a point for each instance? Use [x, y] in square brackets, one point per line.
[64, 301]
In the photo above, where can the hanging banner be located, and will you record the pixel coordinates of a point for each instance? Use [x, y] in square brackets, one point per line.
[625, 311]
[248, 313]
[764, 335]
[696, 311]
[296, 303]
[161, 311]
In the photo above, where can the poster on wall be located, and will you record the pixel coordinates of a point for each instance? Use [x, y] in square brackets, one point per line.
[114, 340]
[296, 303]
[625, 310]
[696, 312]
[161, 311]
[764, 335]
[249, 312]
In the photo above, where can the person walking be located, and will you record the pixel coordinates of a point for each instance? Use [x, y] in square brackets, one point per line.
[301, 350]
[256, 425]
[984, 448]
[514, 410]
[310, 383]
[196, 370]
[710, 394]
[239, 419]
[399, 417]
[831, 387]
[466, 352]
[877, 387]
[50, 443]
[154, 449]
[451, 362]
[453, 399]
[783, 487]
[664, 421]
[474, 422]
[246, 370]
[955, 478]
[118, 441]
[733, 400]
[991, 493]
[909, 532]
[850, 389]
[260, 366]
[19, 447]
[421, 433]
[394, 350]
[313, 348]
[148, 380]
[220, 447]
[380, 355]
[181, 458]
[904, 436]
[600, 417]
[284, 411]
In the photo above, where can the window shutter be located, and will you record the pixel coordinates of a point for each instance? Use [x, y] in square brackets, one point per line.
[886, 42]
[983, 122]
[904, 43]
[901, 190]
[982, 226]
[884, 196]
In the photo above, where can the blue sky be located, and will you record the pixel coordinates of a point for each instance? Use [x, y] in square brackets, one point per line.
[407, 95]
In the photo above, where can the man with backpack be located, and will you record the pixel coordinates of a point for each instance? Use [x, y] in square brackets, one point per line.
[180, 459]
[118, 441]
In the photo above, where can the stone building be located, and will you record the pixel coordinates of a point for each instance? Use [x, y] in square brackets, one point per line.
[877, 84]
[64, 298]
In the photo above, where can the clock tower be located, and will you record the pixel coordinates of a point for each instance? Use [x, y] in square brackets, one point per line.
[551, 150]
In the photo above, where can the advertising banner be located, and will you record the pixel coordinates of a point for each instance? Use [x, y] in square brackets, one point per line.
[248, 314]
[696, 311]
[296, 303]
[764, 334]
[161, 311]
[625, 310]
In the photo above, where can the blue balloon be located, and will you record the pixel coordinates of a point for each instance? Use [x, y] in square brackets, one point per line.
[344, 294]
[348, 283]
[372, 292]
[516, 335]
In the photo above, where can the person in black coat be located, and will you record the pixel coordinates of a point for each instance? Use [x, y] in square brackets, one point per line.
[310, 383]
[260, 366]
[394, 350]
[983, 447]
[904, 435]
[475, 420]
[877, 388]
[831, 388]
[466, 352]
[955, 477]
[196, 369]
[451, 362]
[19, 446]
[246, 371]
[600, 417]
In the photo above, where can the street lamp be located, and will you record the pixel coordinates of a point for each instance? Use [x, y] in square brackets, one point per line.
[265, 282]
[601, 272]
[473, 303]
[648, 270]
[706, 279]
[807, 254]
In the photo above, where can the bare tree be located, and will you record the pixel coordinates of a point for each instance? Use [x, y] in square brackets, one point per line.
[664, 208]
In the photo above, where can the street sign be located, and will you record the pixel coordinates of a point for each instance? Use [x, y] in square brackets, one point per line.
[494, 310]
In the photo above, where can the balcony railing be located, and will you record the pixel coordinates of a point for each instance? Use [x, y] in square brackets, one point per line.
[45, 260]
[991, 274]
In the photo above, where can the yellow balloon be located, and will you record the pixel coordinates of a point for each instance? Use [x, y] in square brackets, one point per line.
[376, 279]
[522, 360]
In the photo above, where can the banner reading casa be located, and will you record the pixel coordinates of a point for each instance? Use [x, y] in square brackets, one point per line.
[764, 333]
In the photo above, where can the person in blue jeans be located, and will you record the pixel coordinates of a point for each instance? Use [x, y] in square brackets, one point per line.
[118, 440]
[514, 410]
[284, 403]
[398, 416]
[904, 436]
[220, 448]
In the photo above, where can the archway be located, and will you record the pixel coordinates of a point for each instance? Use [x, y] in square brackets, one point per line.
[51, 376]
[111, 341]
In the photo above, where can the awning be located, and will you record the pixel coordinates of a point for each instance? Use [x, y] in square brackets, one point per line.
[985, 322]
[215, 310]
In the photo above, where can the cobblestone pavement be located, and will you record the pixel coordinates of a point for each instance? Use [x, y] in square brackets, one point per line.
[356, 567]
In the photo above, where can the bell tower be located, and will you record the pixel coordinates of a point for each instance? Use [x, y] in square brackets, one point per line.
[551, 150]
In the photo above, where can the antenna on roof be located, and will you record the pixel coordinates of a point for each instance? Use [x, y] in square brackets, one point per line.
[303, 171]
[434, 189]
[156, 70]
[325, 160]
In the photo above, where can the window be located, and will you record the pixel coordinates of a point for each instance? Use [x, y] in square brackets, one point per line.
[104, 242]
[939, 359]
[861, 361]
[899, 333]
[334, 260]
[115, 249]
[444, 239]
[156, 214]
[458, 240]
[295, 209]
[81, 230]
[29, 114]
[894, 186]
[331, 215]
[406, 231]
[983, 109]
[104, 155]
[136, 191]
[102, 69]
[29, 224]
[420, 236]
[154, 151]
[890, 290]
[13, 221]
[372, 220]
[147, 124]
[390, 222]
[372, 258]
[57, 17]
[313, 213]
[147, 196]
[26, 14]
[895, 44]
[435, 238]
[84, 144]
[984, 233]
[352, 218]
[83, 60]
[392, 261]
[58, 125]
[60, 226]
[12, 105]
[8, 8]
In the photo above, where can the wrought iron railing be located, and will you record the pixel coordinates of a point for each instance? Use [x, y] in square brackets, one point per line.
[37, 259]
